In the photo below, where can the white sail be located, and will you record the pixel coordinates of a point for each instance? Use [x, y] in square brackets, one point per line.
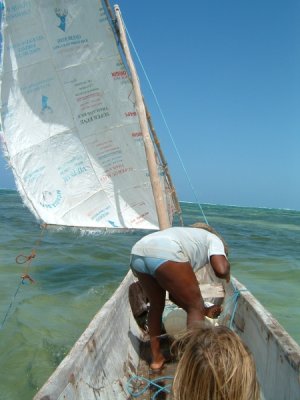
[69, 123]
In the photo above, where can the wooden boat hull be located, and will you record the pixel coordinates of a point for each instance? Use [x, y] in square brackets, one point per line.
[276, 354]
[101, 360]
[107, 353]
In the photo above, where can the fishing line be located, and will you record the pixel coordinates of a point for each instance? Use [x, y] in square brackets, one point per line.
[135, 380]
[10, 305]
[22, 259]
[167, 127]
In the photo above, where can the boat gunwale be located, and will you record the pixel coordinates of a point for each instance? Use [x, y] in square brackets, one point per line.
[289, 346]
[64, 372]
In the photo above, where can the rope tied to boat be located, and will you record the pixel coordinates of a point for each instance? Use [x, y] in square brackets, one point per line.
[230, 307]
[148, 384]
[21, 259]
[26, 260]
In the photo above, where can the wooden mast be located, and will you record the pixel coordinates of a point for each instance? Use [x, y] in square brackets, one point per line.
[164, 166]
[160, 203]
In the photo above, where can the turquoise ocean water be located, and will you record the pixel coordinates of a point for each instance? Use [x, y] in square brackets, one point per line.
[75, 275]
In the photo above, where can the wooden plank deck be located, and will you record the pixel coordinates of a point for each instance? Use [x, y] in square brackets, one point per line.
[158, 379]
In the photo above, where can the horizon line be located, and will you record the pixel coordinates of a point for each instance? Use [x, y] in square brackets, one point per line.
[209, 204]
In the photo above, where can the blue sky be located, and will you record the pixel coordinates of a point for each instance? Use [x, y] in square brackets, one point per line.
[227, 77]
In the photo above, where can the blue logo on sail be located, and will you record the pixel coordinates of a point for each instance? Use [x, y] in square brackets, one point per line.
[45, 107]
[113, 224]
[51, 200]
[62, 15]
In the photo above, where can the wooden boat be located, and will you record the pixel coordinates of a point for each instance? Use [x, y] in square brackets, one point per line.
[107, 354]
[45, 64]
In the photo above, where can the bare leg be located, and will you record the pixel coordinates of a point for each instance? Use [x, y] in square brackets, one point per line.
[156, 295]
[180, 281]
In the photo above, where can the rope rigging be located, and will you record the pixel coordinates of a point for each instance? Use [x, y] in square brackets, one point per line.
[167, 127]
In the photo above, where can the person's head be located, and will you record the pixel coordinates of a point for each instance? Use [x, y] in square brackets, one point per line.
[201, 225]
[214, 365]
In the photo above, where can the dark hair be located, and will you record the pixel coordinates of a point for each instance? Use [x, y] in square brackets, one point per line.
[210, 229]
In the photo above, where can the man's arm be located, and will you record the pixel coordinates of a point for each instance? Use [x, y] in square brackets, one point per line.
[220, 266]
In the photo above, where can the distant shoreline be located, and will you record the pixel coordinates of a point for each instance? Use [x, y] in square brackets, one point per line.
[205, 204]
[237, 206]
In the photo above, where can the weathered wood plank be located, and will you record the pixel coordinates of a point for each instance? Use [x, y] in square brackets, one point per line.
[276, 354]
[107, 354]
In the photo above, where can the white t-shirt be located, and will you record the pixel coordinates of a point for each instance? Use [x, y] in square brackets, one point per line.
[181, 244]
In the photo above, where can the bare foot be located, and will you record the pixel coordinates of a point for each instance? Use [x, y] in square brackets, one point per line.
[213, 311]
[157, 365]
